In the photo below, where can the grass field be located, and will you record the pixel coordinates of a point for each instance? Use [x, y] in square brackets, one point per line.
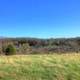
[40, 67]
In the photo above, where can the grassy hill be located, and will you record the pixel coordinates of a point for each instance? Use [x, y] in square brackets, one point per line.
[40, 67]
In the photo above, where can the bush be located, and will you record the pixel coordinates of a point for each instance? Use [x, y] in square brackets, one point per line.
[10, 50]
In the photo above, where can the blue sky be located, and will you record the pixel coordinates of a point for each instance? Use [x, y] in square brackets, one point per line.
[40, 18]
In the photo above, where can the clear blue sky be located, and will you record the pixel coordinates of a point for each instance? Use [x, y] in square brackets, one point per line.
[40, 18]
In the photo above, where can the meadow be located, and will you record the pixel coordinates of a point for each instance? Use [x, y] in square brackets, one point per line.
[40, 67]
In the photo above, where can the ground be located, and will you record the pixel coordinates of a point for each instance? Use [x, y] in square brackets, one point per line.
[40, 67]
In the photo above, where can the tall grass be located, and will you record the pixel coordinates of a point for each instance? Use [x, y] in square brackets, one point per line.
[40, 67]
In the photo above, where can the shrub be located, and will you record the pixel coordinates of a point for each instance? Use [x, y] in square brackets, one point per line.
[10, 50]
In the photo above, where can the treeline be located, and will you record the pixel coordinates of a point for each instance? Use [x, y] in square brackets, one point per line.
[38, 46]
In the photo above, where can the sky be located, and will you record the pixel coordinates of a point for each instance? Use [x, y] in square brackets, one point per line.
[40, 18]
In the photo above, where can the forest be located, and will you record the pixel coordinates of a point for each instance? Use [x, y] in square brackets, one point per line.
[39, 46]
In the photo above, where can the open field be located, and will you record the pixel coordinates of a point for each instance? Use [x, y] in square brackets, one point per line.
[40, 67]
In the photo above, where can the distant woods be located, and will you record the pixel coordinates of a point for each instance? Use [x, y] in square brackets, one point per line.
[10, 46]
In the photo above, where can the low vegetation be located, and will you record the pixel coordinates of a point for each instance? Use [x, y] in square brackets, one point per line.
[40, 67]
[9, 50]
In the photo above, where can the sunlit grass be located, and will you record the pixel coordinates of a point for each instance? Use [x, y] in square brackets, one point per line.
[40, 67]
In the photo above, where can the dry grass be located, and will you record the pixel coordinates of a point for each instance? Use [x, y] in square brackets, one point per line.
[40, 67]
